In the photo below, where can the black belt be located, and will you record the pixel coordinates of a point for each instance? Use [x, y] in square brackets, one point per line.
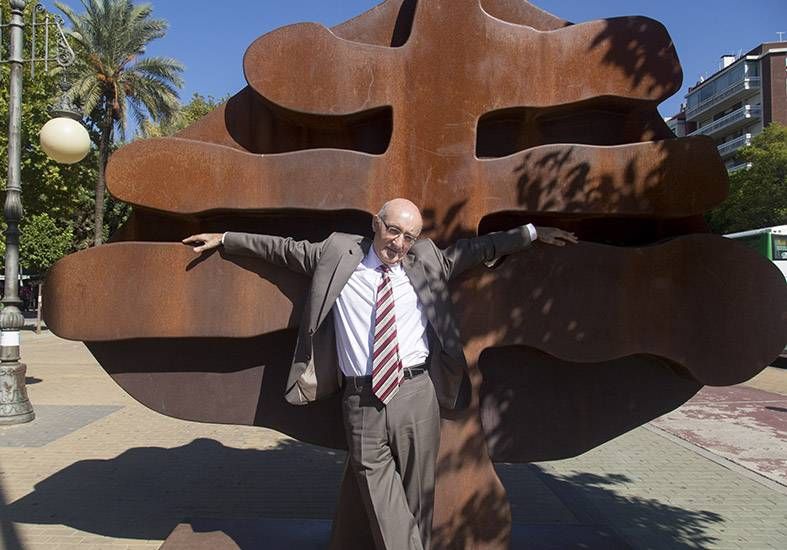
[409, 372]
[412, 372]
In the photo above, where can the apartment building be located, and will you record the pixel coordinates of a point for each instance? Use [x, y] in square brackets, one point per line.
[678, 125]
[734, 104]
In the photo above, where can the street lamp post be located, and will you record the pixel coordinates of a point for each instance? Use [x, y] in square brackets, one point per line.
[15, 407]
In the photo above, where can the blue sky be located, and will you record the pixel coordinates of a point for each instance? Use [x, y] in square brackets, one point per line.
[210, 37]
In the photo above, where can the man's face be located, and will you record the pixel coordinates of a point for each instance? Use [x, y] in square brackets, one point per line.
[394, 234]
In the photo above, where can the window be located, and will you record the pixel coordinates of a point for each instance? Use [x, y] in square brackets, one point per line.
[779, 247]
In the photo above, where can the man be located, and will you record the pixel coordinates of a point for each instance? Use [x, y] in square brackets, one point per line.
[379, 313]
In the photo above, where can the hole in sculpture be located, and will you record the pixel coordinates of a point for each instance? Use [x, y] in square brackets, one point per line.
[261, 127]
[312, 225]
[404, 23]
[601, 121]
[606, 230]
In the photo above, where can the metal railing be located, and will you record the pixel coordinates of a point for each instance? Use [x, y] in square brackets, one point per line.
[734, 144]
[54, 43]
[747, 111]
[747, 83]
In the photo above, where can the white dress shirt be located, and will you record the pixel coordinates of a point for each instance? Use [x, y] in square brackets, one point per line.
[354, 313]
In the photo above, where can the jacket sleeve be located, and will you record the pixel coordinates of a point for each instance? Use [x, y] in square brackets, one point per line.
[298, 256]
[468, 253]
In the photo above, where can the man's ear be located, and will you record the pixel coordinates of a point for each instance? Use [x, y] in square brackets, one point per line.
[375, 224]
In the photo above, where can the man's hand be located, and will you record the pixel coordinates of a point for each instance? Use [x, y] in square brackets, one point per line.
[204, 241]
[555, 236]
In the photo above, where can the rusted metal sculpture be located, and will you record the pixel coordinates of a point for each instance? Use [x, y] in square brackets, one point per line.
[489, 114]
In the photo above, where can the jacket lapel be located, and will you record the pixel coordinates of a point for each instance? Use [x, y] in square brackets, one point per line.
[414, 269]
[348, 261]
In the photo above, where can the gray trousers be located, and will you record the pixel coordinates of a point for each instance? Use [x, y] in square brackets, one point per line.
[392, 454]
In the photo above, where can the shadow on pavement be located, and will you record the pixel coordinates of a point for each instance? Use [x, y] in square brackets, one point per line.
[9, 539]
[780, 362]
[643, 522]
[145, 492]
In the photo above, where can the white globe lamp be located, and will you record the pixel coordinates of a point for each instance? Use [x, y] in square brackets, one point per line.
[64, 140]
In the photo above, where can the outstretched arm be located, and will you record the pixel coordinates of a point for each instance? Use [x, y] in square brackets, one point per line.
[468, 253]
[299, 256]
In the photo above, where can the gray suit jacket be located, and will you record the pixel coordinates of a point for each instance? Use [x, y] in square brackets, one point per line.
[315, 371]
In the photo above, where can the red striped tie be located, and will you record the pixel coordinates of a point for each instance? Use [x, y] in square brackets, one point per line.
[387, 371]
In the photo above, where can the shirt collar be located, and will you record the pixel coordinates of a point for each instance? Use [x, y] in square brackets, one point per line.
[373, 261]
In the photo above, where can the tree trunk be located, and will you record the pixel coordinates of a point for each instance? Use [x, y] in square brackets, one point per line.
[103, 157]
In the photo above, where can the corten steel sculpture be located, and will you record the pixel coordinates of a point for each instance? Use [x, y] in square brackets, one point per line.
[489, 114]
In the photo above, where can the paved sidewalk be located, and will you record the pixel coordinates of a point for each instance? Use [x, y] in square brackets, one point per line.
[98, 470]
[745, 425]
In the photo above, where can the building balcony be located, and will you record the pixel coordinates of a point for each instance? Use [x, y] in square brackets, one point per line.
[729, 147]
[730, 122]
[737, 167]
[742, 88]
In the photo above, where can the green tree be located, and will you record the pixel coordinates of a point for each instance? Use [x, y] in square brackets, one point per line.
[46, 185]
[110, 75]
[62, 192]
[42, 243]
[195, 109]
[758, 196]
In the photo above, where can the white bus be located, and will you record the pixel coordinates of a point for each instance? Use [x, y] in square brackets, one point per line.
[771, 242]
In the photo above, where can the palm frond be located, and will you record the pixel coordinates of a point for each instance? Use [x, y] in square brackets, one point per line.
[110, 73]
[165, 69]
[138, 110]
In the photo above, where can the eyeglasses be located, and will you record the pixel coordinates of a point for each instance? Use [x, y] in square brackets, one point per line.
[394, 231]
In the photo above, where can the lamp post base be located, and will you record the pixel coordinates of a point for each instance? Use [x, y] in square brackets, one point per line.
[15, 407]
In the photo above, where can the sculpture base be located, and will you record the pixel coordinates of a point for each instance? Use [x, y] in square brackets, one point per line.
[308, 534]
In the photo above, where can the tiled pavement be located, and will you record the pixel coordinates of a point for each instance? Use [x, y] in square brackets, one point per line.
[745, 425]
[98, 470]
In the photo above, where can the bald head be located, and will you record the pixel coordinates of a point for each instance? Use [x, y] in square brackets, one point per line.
[395, 228]
[402, 209]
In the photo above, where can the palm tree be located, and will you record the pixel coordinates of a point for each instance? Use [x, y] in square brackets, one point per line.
[110, 74]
